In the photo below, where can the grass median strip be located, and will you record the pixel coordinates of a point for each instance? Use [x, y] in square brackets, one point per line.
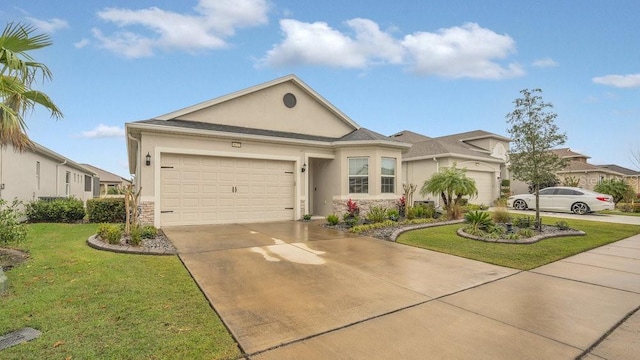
[95, 304]
[525, 257]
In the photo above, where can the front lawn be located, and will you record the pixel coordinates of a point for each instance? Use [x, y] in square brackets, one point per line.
[92, 304]
[524, 257]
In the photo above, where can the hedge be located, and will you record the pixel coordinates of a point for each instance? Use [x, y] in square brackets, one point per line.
[106, 210]
[61, 210]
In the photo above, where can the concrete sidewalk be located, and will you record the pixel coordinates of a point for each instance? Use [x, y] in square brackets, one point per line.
[294, 290]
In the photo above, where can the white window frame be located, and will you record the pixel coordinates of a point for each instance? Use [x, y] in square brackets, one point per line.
[67, 183]
[384, 176]
[360, 179]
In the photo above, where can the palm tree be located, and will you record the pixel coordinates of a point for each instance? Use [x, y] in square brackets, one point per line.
[18, 72]
[447, 184]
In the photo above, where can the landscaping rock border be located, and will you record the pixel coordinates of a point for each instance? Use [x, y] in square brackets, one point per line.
[158, 246]
[531, 240]
[403, 229]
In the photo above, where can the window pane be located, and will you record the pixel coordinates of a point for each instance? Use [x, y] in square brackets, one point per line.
[358, 185]
[388, 185]
[388, 166]
[358, 166]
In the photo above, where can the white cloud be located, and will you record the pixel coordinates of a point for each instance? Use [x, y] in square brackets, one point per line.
[49, 26]
[104, 131]
[462, 51]
[213, 23]
[545, 62]
[619, 81]
[466, 51]
[82, 43]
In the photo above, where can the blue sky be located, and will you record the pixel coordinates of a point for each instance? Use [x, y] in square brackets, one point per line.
[434, 67]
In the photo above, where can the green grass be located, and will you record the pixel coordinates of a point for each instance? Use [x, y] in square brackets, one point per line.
[92, 304]
[524, 257]
[618, 212]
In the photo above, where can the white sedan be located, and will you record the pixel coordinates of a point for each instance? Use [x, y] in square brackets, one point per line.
[576, 200]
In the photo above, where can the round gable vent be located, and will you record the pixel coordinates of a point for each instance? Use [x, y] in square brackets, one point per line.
[289, 100]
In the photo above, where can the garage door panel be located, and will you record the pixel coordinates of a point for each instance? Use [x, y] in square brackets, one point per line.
[210, 190]
[484, 184]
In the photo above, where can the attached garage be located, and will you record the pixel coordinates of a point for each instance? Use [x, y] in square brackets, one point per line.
[197, 189]
[485, 185]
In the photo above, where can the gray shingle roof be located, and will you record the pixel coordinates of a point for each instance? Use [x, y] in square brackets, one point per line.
[451, 144]
[620, 169]
[360, 134]
[409, 137]
[568, 153]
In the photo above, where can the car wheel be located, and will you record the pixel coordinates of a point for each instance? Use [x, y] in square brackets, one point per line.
[580, 208]
[520, 205]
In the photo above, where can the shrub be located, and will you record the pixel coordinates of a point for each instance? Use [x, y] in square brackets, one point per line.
[500, 215]
[526, 233]
[109, 210]
[402, 205]
[393, 214]
[11, 230]
[306, 217]
[562, 225]
[135, 236]
[103, 230]
[351, 221]
[114, 234]
[410, 213]
[63, 210]
[377, 214]
[501, 201]
[333, 219]
[368, 227]
[523, 222]
[149, 232]
[478, 220]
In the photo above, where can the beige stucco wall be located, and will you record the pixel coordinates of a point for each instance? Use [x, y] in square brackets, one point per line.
[417, 172]
[265, 109]
[18, 174]
[324, 182]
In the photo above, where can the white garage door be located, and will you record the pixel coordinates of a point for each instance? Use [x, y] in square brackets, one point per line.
[485, 185]
[217, 190]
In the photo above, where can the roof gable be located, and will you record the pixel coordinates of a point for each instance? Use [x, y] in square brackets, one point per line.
[264, 107]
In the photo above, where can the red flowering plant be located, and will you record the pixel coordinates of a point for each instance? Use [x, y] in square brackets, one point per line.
[352, 208]
[402, 205]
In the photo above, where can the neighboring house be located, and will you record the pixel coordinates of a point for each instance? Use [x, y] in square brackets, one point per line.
[275, 151]
[578, 168]
[42, 173]
[481, 153]
[631, 176]
[109, 182]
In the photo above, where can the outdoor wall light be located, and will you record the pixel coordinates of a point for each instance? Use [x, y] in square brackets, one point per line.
[304, 167]
[148, 159]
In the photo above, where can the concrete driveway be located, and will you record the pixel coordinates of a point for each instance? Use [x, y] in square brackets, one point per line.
[298, 290]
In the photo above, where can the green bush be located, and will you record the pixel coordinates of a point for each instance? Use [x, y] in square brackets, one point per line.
[393, 214]
[377, 214]
[478, 220]
[562, 225]
[149, 232]
[11, 230]
[523, 222]
[114, 234]
[135, 236]
[351, 221]
[63, 210]
[103, 230]
[108, 210]
[333, 219]
[526, 233]
[306, 217]
[368, 227]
